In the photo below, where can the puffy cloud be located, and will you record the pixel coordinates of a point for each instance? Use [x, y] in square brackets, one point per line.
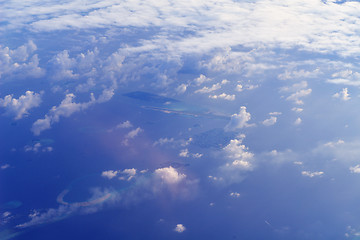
[5, 166]
[343, 95]
[66, 108]
[355, 169]
[346, 77]
[299, 94]
[298, 110]
[20, 62]
[163, 141]
[184, 153]
[20, 107]
[169, 175]
[297, 91]
[239, 120]
[37, 147]
[312, 174]
[223, 96]
[201, 79]
[134, 132]
[238, 161]
[270, 121]
[179, 228]
[126, 124]
[109, 174]
[181, 88]
[298, 121]
[214, 87]
[234, 194]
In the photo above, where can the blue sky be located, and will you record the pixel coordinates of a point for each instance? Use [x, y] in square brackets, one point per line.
[179, 119]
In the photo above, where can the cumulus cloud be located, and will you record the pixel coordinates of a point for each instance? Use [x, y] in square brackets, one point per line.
[297, 92]
[179, 228]
[270, 121]
[239, 120]
[21, 62]
[20, 107]
[201, 79]
[66, 108]
[181, 88]
[234, 194]
[298, 121]
[214, 87]
[37, 147]
[343, 95]
[238, 161]
[223, 96]
[355, 169]
[345, 77]
[312, 174]
[169, 175]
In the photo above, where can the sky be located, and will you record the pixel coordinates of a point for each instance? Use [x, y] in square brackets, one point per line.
[179, 119]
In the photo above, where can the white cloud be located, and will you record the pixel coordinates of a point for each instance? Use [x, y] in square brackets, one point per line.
[134, 133]
[315, 22]
[66, 108]
[109, 174]
[346, 77]
[234, 194]
[126, 124]
[355, 169]
[298, 121]
[239, 120]
[298, 110]
[169, 175]
[312, 174]
[37, 147]
[181, 88]
[20, 107]
[343, 95]
[180, 228]
[270, 121]
[163, 141]
[5, 166]
[214, 87]
[238, 161]
[223, 96]
[20, 62]
[201, 79]
[298, 91]
[184, 153]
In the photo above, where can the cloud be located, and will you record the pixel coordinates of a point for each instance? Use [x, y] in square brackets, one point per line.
[239, 120]
[20, 63]
[298, 121]
[109, 174]
[179, 228]
[169, 175]
[343, 95]
[214, 87]
[345, 77]
[126, 124]
[66, 108]
[184, 153]
[37, 147]
[226, 24]
[355, 169]
[270, 121]
[20, 107]
[312, 174]
[238, 161]
[181, 88]
[234, 194]
[223, 96]
[201, 79]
